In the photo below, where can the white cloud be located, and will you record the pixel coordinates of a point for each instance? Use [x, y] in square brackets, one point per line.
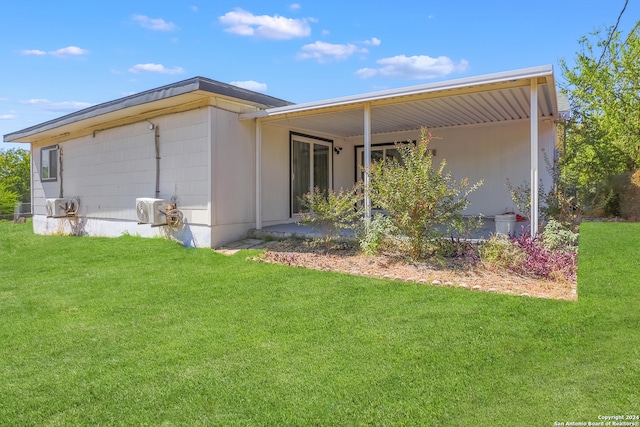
[322, 51]
[414, 67]
[36, 52]
[373, 42]
[60, 53]
[194, 8]
[4, 99]
[7, 116]
[69, 51]
[275, 27]
[65, 106]
[294, 6]
[157, 24]
[251, 85]
[155, 68]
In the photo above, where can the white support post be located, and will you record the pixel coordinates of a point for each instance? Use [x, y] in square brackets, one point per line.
[534, 158]
[367, 162]
[258, 174]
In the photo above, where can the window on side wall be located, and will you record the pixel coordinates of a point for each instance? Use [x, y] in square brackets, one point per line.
[49, 163]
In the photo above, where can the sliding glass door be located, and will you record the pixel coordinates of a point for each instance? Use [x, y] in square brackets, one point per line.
[310, 168]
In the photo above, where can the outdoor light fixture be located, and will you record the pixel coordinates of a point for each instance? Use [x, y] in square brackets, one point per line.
[337, 149]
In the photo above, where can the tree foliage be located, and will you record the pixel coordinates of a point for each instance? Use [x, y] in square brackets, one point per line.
[417, 195]
[15, 178]
[602, 138]
[604, 86]
[15, 172]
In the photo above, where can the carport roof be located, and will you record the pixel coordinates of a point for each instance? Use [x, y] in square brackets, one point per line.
[488, 98]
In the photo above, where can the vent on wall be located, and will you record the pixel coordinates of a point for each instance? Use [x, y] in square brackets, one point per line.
[56, 208]
[150, 211]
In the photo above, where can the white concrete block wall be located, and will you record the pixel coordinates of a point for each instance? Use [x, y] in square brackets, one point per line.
[233, 176]
[110, 170]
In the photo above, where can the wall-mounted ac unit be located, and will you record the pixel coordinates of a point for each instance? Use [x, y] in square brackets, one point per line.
[151, 211]
[73, 206]
[56, 208]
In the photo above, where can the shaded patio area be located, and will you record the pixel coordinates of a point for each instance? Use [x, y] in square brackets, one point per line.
[283, 231]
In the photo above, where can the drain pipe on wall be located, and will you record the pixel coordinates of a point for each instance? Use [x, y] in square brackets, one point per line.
[60, 170]
[157, 142]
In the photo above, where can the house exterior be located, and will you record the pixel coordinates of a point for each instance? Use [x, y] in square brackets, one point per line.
[229, 159]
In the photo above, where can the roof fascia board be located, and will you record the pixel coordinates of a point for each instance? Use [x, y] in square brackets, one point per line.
[504, 77]
[207, 86]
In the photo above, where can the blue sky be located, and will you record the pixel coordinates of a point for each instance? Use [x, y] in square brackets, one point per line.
[60, 56]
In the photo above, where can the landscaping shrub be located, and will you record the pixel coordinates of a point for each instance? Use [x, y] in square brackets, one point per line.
[331, 211]
[499, 252]
[558, 238]
[551, 255]
[371, 236]
[418, 196]
[540, 261]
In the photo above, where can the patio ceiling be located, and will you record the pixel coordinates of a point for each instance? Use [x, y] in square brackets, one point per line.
[484, 99]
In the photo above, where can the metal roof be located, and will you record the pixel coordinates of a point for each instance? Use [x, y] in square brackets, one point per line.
[178, 92]
[481, 99]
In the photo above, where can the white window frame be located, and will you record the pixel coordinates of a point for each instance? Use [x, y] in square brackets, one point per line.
[49, 158]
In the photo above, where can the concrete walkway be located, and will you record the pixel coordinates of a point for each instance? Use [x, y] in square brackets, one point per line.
[282, 231]
[255, 238]
[234, 247]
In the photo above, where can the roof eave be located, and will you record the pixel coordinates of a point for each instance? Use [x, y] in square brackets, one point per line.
[175, 89]
[544, 71]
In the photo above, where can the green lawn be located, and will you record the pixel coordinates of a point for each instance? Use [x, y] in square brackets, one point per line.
[132, 331]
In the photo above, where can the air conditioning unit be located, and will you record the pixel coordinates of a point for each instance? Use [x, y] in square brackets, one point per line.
[73, 206]
[56, 208]
[151, 211]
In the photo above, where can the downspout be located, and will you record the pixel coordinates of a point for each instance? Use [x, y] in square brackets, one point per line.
[60, 170]
[157, 143]
[258, 174]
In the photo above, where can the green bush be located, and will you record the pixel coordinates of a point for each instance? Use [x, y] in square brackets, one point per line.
[500, 253]
[371, 236]
[556, 237]
[8, 200]
[331, 211]
[416, 195]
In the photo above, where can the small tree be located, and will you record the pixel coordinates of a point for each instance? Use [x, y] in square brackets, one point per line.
[416, 195]
[331, 211]
[8, 200]
[15, 172]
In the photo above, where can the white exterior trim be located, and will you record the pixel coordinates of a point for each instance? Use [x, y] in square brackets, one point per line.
[258, 174]
[367, 161]
[489, 79]
[534, 158]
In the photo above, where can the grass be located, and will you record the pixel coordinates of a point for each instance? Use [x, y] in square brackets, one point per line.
[132, 331]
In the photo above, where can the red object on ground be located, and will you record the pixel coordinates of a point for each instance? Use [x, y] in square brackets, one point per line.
[519, 218]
